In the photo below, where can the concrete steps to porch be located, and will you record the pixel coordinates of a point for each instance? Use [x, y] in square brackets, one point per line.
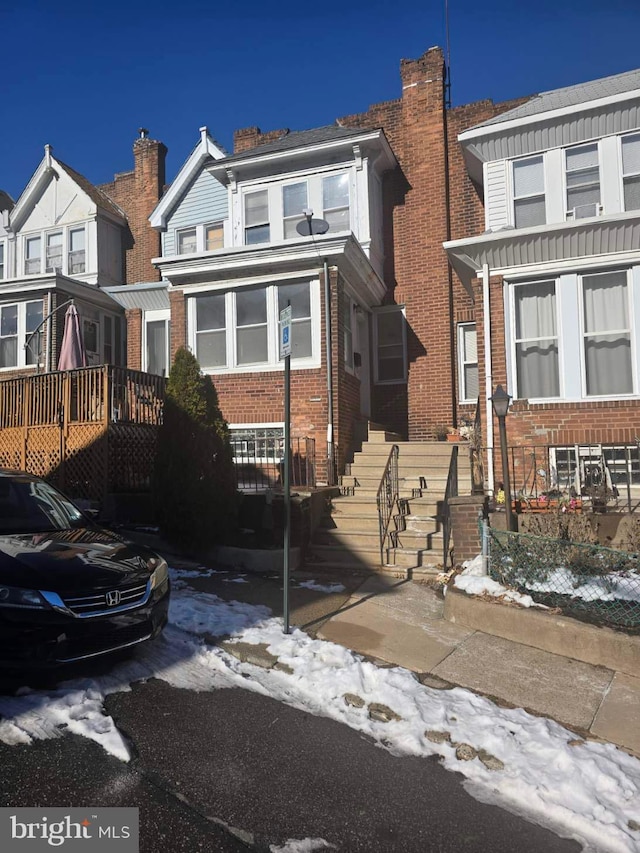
[349, 534]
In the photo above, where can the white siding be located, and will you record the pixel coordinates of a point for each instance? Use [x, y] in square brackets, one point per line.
[496, 195]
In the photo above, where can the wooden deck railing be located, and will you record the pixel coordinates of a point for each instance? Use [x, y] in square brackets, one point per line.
[103, 394]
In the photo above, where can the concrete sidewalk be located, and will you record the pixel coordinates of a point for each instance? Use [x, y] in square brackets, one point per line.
[403, 623]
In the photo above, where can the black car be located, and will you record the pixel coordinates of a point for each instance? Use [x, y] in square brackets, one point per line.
[69, 589]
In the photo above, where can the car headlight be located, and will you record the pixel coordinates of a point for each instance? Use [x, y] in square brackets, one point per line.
[13, 596]
[160, 573]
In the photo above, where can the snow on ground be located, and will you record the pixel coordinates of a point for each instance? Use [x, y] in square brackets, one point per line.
[304, 845]
[318, 587]
[474, 582]
[587, 790]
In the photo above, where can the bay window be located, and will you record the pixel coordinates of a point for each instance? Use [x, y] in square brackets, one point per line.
[238, 329]
[528, 192]
[631, 171]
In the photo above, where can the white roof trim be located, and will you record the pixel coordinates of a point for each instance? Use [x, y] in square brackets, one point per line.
[536, 118]
[205, 149]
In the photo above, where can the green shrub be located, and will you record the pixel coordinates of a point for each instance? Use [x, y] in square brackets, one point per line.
[194, 479]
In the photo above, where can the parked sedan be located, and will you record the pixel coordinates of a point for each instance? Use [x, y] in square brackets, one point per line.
[69, 589]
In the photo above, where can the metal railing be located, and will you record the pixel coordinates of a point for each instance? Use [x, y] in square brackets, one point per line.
[451, 491]
[387, 498]
[255, 473]
[598, 477]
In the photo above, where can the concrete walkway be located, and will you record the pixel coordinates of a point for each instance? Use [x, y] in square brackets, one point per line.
[403, 623]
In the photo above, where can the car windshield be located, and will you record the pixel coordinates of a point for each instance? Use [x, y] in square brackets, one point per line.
[33, 506]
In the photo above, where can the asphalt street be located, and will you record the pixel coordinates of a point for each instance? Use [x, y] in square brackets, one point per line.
[232, 770]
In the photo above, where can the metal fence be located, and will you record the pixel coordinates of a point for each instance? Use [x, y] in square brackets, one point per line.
[600, 477]
[593, 583]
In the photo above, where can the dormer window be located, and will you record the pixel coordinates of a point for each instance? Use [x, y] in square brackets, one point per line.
[256, 218]
[294, 202]
[335, 201]
[187, 241]
[528, 192]
[33, 257]
[54, 252]
[583, 181]
[631, 171]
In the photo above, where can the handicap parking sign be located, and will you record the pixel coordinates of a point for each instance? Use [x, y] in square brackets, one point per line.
[285, 332]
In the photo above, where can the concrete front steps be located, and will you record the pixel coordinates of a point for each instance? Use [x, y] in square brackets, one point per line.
[349, 534]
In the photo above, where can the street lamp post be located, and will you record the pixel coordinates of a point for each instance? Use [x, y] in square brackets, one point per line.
[500, 401]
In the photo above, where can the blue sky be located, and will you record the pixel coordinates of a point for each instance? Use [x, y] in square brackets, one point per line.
[84, 76]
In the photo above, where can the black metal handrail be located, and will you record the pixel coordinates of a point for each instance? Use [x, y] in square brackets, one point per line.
[387, 497]
[451, 491]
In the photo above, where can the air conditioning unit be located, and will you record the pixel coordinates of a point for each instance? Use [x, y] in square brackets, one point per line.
[585, 211]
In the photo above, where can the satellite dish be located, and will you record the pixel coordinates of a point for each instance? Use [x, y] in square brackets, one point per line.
[309, 226]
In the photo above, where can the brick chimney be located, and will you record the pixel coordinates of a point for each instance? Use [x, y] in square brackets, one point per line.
[137, 193]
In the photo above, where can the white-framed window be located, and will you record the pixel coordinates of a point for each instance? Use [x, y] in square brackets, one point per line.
[238, 330]
[1, 260]
[54, 252]
[256, 217]
[631, 171]
[468, 362]
[607, 334]
[528, 192]
[582, 173]
[335, 201]
[17, 321]
[156, 342]
[390, 342]
[33, 256]
[77, 262]
[186, 241]
[294, 202]
[536, 339]
[214, 236]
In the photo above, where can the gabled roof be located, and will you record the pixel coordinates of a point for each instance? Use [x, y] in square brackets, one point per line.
[96, 195]
[206, 149]
[48, 165]
[571, 96]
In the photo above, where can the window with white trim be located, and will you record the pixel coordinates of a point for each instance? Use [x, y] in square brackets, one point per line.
[582, 171]
[536, 339]
[335, 201]
[32, 256]
[214, 236]
[77, 262]
[187, 241]
[54, 252]
[238, 329]
[1, 260]
[17, 322]
[575, 337]
[631, 171]
[294, 202]
[528, 192]
[156, 342]
[468, 362]
[256, 217]
[390, 340]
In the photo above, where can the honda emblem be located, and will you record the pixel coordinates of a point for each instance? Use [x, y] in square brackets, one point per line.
[113, 598]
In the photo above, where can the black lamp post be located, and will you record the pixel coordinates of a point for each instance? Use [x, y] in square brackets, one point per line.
[500, 401]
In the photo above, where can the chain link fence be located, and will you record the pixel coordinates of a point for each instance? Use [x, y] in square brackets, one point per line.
[593, 583]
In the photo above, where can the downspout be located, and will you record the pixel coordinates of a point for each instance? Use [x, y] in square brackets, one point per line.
[49, 357]
[327, 338]
[451, 302]
[488, 373]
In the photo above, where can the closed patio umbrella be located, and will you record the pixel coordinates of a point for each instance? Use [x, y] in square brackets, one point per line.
[72, 352]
